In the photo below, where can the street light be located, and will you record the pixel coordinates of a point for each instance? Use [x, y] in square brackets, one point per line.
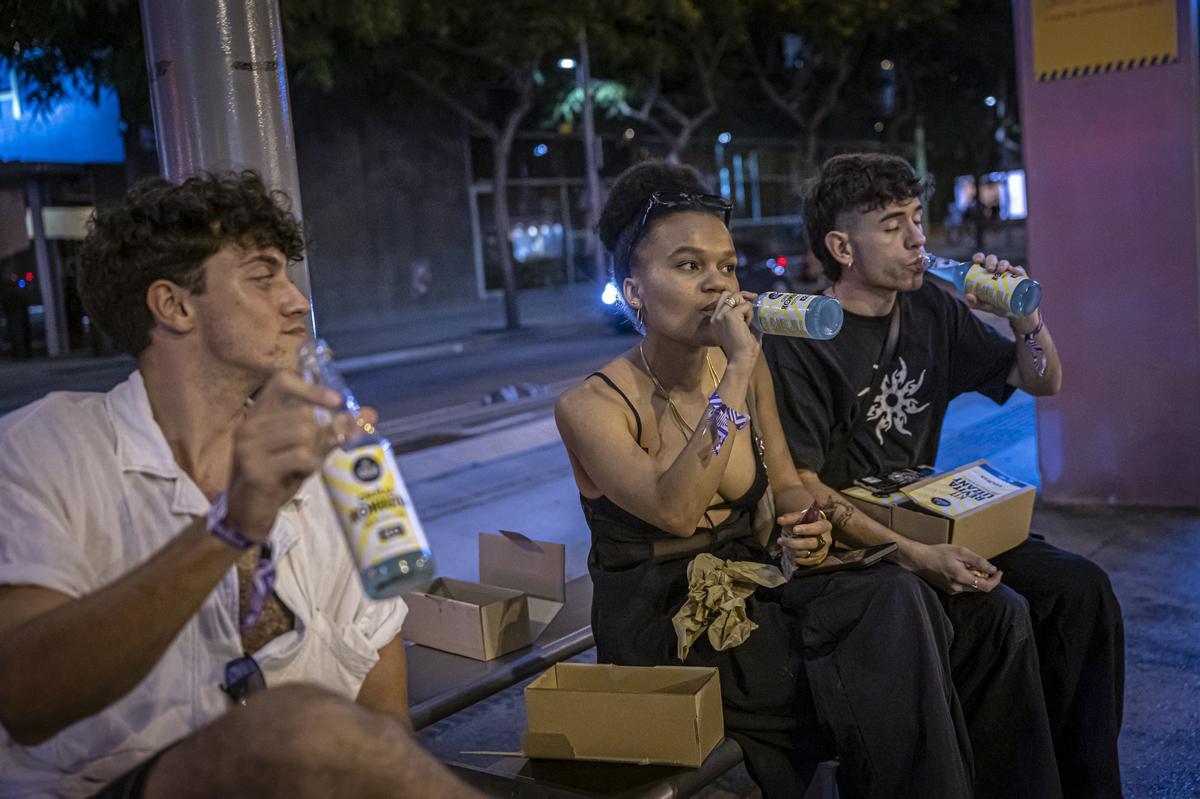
[592, 157]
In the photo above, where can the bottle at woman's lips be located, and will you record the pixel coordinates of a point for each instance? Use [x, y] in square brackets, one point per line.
[812, 316]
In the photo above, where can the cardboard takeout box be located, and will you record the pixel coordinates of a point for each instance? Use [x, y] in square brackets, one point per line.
[669, 715]
[975, 506]
[522, 587]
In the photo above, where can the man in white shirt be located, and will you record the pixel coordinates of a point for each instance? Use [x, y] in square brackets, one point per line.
[139, 530]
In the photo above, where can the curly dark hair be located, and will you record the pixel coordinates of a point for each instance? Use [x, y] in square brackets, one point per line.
[627, 202]
[163, 231]
[854, 182]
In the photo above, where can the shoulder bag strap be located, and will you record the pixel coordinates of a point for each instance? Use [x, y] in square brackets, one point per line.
[841, 437]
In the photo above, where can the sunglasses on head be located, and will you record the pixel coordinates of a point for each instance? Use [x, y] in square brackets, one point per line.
[675, 199]
[243, 677]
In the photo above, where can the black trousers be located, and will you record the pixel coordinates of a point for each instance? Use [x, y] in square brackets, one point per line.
[994, 663]
[1039, 668]
[875, 644]
[1081, 647]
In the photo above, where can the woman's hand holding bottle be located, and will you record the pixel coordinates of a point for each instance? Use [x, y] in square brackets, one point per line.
[731, 318]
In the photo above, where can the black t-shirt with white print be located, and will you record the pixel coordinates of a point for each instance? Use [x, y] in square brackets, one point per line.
[943, 351]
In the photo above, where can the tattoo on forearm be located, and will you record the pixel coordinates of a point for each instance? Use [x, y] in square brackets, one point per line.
[838, 512]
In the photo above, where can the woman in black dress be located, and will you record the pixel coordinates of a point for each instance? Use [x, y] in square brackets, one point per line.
[852, 663]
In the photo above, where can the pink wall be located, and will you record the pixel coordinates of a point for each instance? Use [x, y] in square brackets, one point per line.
[1113, 177]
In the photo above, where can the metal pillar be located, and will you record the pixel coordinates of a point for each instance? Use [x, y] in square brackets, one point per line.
[218, 88]
[592, 159]
[49, 275]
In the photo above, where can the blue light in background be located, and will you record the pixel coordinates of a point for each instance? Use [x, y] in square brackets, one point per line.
[72, 130]
[610, 294]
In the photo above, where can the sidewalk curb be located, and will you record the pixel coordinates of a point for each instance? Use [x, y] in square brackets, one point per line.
[473, 343]
[427, 352]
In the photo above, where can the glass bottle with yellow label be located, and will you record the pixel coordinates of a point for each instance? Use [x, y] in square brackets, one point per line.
[368, 494]
[1010, 293]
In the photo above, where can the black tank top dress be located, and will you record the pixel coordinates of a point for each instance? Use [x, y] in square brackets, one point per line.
[812, 629]
[639, 582]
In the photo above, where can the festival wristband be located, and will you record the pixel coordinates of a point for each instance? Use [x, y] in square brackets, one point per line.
[1036, 350]
[264, 572]
[722, 415]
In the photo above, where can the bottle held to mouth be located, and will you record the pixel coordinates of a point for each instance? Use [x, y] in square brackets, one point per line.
[387, 543]
[1020, 295]
[812, 316]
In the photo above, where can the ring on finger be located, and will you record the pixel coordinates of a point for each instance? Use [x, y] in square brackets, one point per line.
[975, 583]
[731, 302]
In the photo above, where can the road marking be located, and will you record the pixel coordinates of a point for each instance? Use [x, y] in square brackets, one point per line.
[364, 362]
[462, 418]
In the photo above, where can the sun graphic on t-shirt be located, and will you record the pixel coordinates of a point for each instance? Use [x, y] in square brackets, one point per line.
[895, 402]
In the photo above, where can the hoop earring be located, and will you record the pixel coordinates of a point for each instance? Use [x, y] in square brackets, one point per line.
[637, 314]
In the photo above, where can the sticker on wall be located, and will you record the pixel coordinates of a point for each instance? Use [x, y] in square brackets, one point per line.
[1074, 38]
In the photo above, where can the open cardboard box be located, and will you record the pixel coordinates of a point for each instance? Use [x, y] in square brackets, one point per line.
[974, 506]
[522, 587]
[538, 568]
[668, 715]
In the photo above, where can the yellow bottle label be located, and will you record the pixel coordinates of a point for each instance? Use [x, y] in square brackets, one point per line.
[372, 503]
[783, 314]
[992, 291]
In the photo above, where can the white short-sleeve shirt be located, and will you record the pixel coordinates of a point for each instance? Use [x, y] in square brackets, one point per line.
[89, 489]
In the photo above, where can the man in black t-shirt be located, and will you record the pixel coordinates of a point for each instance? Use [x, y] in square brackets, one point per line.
[864, 219]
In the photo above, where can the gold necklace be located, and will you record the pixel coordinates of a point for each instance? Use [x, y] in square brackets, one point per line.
[687, 429]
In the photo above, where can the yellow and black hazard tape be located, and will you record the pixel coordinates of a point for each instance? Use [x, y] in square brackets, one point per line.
[1121, 65]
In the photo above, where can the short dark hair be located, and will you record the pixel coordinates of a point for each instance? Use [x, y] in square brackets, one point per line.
[164, 231]
[854, 182]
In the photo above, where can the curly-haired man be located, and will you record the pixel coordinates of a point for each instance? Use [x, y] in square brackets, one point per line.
[1038, 726]
[134, 524]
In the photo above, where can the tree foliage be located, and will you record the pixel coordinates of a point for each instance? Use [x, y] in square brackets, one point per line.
[668, 55]
[51, 41]
[804, 54]
[669, 67]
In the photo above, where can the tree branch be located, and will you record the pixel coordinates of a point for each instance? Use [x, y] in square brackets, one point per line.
[513, 71]
[908, 106]
[829, 100]
[790, 110]
[453, 103]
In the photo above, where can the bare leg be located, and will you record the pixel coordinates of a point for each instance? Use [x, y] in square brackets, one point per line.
[300, 741]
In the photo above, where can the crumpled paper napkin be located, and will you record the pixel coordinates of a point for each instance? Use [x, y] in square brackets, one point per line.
[717, 591]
